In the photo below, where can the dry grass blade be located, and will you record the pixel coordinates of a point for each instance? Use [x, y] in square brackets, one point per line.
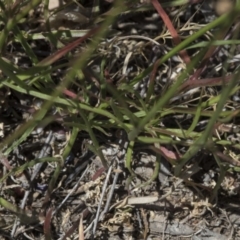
[80, 229]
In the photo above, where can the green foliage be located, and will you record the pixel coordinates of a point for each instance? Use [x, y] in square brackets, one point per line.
[119, 106]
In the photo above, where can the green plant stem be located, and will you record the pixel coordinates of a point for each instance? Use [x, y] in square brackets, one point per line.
[13, 21]
[203, 139]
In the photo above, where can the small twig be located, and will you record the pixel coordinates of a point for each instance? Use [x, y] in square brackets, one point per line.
[218, 81]
[70, 193]
[42, 154]
[101, 200]
[110, 194]
[75, 225]
[145, 223]
[36, 170]
[137, 37]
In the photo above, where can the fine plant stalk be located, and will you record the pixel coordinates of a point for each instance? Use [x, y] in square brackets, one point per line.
[164, 99]
[203, 139]
[22, 168]
[60, 163]
[184, 44]
[12, 22]
[223, 170]
[24, 217]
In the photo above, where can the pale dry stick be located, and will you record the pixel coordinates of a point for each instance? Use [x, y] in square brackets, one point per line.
[42, 154]
[27, 236]
[88, 228]
[230, 236]
[70, 193]
[37, 168]
[110, 194]
[119, 159]
[190, 20]
[74, 226]
[185, 94]
[80, 228]
[101, 199]
[137, 37]
[139, 219]
[72, 176]
[165, 223]
[125, 64]
[123, 143]
[62, 33]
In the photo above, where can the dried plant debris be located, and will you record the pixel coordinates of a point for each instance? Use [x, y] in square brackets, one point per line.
[73, 174]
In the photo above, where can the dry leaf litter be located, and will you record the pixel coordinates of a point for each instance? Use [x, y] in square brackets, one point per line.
[114, 205]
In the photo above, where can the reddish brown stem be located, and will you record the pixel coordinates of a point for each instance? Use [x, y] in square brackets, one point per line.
[172, 30]
[189, 84]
